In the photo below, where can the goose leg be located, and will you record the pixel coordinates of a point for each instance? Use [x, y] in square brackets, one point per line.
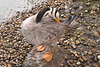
[47, 55]
[41, 48]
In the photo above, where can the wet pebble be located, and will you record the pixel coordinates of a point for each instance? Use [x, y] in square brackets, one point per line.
[93, 12]
[90, 53]
[83, 38]
[13, 47]
[88, 3]
[78, 63]
[94, 8]
[72, 12]
[98, 57]
[86, 11]
[95, 65]
[89, 28]
[96, 34]
[73, 45]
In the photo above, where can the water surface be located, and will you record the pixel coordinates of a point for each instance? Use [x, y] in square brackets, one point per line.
[9, 7]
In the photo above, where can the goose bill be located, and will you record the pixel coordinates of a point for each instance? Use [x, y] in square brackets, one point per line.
[57, 20]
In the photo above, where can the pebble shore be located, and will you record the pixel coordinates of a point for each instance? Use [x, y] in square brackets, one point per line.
[83, 45]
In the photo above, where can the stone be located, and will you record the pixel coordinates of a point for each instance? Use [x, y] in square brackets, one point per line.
[95, 65]
[72, 12]
[81, 59]
[83, 38]
[95, 25]
[61, 39]
[90, 53]
[96, 34]
[94, 8]
[93, 12]
[73, 45]
[78, 63]
[86, 11]
[88, 3]
[98, 57]
[78, 42]
[89, 28]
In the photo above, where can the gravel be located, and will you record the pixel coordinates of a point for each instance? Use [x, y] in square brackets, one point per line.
[82, 47]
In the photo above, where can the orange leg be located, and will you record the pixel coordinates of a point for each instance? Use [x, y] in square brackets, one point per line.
[48, 55]
[40, 48]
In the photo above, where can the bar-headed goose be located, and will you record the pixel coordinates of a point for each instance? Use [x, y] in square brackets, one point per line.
[43, 29]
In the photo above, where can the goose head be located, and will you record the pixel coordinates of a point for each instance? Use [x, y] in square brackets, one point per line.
[52, 12]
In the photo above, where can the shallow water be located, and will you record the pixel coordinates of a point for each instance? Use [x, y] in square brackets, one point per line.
[9, 7]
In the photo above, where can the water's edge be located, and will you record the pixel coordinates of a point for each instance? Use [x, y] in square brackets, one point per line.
[9, 8]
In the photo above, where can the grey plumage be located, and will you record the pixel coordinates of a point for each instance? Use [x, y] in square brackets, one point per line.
[45, 32]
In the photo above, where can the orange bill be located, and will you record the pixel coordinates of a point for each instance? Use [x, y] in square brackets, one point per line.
[51, 49]
[47, 56]
[40, 48]
[57, 20]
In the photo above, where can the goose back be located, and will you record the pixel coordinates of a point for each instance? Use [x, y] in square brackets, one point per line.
[47, 30]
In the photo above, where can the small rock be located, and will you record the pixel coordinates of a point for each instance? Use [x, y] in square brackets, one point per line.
[26, 45]
[86, 11]
[85, 52]
[96, 34]
[98, 57]
[81, 7]
[93, 12]
[62, 15]
[83, 38]
[72, 39]
[66, 41]
[89, 28]
[88, 3]
[73, 45]
[81, 59]
[68, 62]
[12, 51]
[78, 63]
[79, 32]
[72, 12]
[9, 65]
[61, 39]
[77, 42]
[95, 25]
[65, 57]
[94, 8]
[94, 50]
[90, 53]
[95, 65]
[85, 58]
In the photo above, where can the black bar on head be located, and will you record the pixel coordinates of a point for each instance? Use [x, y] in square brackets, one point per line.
[41, 13]
[52, 11]
[56, 13]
